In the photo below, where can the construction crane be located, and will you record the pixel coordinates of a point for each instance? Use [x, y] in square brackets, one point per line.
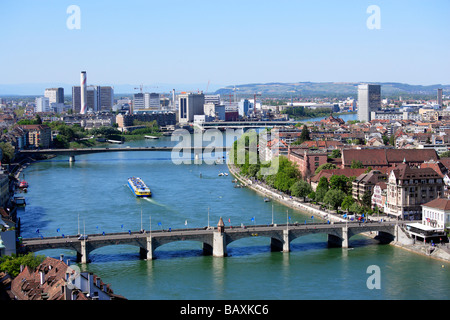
[141, 88]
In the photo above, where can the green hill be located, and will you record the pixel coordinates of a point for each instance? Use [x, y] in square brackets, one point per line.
[330, 89]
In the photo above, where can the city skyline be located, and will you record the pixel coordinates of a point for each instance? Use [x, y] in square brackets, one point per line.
[221, 44]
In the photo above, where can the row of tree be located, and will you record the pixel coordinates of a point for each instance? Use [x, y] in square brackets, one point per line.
[334, 193]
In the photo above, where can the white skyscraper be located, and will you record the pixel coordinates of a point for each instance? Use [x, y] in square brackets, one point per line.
[42, 104]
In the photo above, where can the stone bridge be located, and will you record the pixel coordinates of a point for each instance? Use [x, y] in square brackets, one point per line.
[214, 240]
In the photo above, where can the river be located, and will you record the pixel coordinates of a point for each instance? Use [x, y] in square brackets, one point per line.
[91, 196]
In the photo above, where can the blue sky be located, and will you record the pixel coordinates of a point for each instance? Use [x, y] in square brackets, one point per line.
[224, 42]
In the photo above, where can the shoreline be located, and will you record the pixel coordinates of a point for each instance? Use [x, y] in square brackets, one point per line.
[421, 249]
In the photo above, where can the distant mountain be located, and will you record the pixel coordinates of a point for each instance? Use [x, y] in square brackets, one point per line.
[330, 88]
[38, 89]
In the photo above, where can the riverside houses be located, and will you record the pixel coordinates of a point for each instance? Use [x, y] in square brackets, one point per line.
[436, 213]
[55, 280]
[409, 188]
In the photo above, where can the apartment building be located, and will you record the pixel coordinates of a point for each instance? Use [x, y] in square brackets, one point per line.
[39, 135]
[366, 182]
[408, 188]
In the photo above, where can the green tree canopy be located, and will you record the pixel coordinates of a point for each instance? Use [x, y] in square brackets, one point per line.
[8, 152]
[11, 264]
[356, 164]
[325, 166]
[339, 182]
[347, 203]
[334, 198]
[301, 189]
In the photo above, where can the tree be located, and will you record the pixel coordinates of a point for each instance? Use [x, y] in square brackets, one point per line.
[287, 174]
[356, 164]
[322, 189]
[356, 208]
[304, 135]
[325, 166]
[445, 154]
[11, 264]
[334, 198]
[347, 203]
[336, 153]
[392, 140]
[301, 189]
[367, 199]
[339, 182]
[8, 152]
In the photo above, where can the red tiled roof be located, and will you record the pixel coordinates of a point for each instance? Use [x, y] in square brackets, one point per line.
[404, 171]
[385, 157]
[439, 203]
[340, 172]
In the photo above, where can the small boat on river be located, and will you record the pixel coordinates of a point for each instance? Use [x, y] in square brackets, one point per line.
[138, 187]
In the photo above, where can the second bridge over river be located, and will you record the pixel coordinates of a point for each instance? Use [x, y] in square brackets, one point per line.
[71, 153]
[214, 240]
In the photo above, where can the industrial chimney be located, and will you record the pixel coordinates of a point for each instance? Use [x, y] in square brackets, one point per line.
[83, 93]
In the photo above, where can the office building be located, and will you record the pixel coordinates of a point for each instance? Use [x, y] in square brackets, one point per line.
[54, 95]
[152, 101]
[105, 95]
[42, 104]
[190, 104]
[138, 101]
[215, 111]
[369, 99]
[212, 98]
[76, 99]
[244, 107]
[439, 97]
[91, 98]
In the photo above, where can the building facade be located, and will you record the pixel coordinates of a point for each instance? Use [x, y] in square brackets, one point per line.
[369, 99]
[366, 183]
[436, 213]
[42, 104]
[39, 135]
[307, 161]
[55, 95]
[190, 104]
[409, 188]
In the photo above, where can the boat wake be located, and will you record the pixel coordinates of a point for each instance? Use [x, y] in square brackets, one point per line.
[154, 202]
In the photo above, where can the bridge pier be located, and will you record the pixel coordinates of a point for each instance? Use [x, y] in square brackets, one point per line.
[281, 245]
[83, 255]
[339, 241]
[219, 245]
[72, 158]
[147, 252]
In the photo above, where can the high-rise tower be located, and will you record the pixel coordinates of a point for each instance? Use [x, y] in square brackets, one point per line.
[83, 92]
[369, 99]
